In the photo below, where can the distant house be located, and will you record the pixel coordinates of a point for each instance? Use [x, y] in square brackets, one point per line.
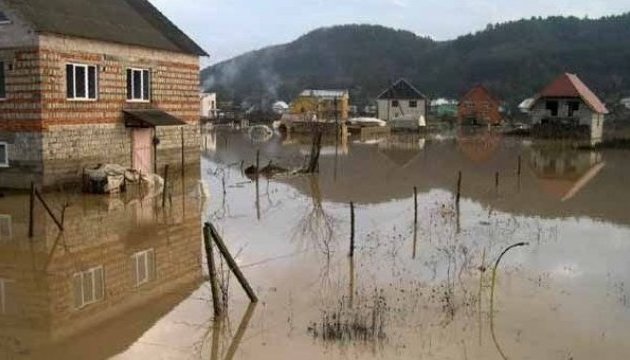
[209, 105]
[89, 82]
[280, 107]
[444, 107]
[479, 107]
[568, 107]
[625, 102]
[323, 105]
[401, 100]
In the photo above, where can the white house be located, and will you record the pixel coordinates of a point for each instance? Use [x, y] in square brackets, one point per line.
[568, 105]
[402, 102]
[209, 105]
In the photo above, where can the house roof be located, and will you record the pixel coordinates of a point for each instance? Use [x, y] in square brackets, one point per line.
[150, 118]
[483, 90]
[324, 93]
[132, 22]
[402, 90]
[570, 86]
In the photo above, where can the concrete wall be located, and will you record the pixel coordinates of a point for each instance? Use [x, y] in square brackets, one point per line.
[584, 117]
[209, 105]
[387, 112]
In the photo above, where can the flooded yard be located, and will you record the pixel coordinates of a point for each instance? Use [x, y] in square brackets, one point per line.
[425, 288]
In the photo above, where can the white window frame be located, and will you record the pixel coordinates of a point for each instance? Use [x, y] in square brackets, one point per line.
[87, 82]
[4, 163]
[147, 270]
[130, 97]
[7, 220]
[92, 273]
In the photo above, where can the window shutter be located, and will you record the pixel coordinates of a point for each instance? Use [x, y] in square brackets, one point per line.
[88, 287]
[69, 81]
[4, 159]
[92, 82]
[129, 85]
[146, 84]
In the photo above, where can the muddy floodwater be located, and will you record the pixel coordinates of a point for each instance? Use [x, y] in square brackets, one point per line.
[127, 278]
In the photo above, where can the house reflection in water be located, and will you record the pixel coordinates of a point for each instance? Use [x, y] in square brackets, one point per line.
[564, 172]
[84, 293]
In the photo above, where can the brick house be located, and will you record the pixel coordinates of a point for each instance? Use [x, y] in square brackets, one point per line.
[84, 82]
[326, 105]
[479, 107]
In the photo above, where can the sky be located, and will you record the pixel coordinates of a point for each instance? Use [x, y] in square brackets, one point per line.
[227, 28]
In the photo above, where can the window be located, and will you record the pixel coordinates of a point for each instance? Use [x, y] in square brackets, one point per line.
[143, 267]
[4, 19]
[89, 287]
[394, 103]
[4, 155]
[5, 228]
[3, 85]
[138, 85]
[574, 106]
[552, 107]
[81, 82]
[413, 104]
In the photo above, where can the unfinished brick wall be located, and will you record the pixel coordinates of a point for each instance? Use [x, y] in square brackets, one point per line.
[97, 233]
[51, 139]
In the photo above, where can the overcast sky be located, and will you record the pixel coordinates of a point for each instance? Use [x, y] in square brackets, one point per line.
[226, 28]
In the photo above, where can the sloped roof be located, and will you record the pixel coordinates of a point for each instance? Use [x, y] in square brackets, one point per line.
[482, 90]
[324, 93]
[131, 22]
[402, 90]
[570, 86]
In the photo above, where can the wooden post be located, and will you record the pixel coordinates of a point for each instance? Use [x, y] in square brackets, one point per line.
[415, 206]
[351, 229]
[257, 163]
[41, 199]
[165, 186]
[31, 219]
[240, 332]
[216, 299]
[183, 155]
[518, 171]
[459, 188]
[415, 221]
[232, 264]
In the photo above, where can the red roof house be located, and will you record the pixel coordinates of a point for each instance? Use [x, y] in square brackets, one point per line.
[479, 107]
[567, 105]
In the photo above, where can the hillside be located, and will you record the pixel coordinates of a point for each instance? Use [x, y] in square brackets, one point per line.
[514, 59]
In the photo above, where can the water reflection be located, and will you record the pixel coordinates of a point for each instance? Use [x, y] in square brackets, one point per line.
[93, 289]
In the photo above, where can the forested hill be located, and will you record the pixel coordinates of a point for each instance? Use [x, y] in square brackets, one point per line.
[513, 59]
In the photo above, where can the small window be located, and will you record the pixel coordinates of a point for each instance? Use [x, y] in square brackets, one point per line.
[574, 107]
[4, 19]
[3, 84]
[4, 155]
[394, 103]
[89, 287]
[5, 228]
[138, 85]
[143, 267]
[552, 107]
[81, 82]
[413, 104]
